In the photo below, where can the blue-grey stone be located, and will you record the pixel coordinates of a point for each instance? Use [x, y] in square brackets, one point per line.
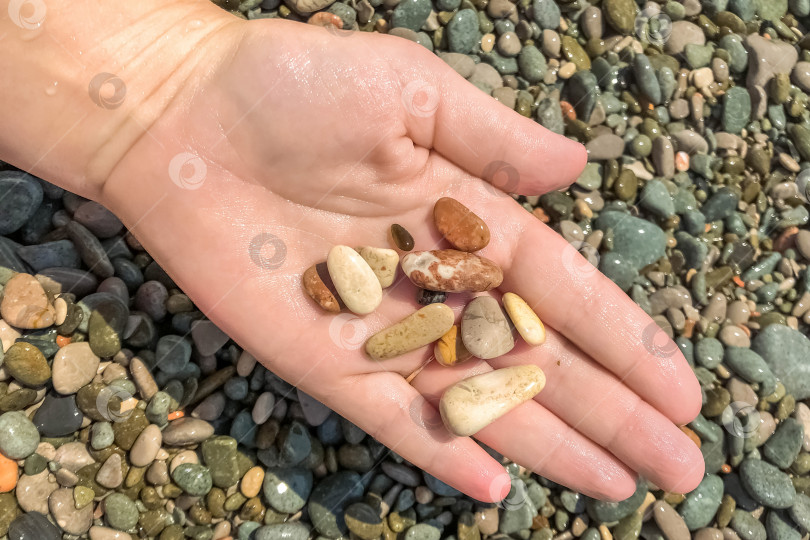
[20, 196]
[701, 504]
[646, 79]
[243, 429]
[58, 416]
[694, 222]
[786, 352]
[720, 205]
[655, 198]
[784, 445]
[330, 498]
[638, 241]
[33, 526]
[694, 250]
[532, 64]
[800, 511]
[762, 267]
[780, 527]
[751, 367]
[747, 526]
[295, 445]
[583, 91]
[733, 486]
[438, 487]
[247, 529]
[766, 484]
[516, 519]
[709, 352]
[744, 9]
[172, 354]
[549, 115]
[504, 64]
[608, 512]
[410, 14]
[329, 432]
[546, 14]
[462, 31]
[50, 254]
[736, 109]
[294, 530]
[18, 435]
[193, 478]
[618, 270]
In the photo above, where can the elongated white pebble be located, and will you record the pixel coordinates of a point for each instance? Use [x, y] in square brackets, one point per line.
[524, 318]
[470, 405]
[354, 280]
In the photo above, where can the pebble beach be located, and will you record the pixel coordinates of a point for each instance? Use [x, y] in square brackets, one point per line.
[125, 414]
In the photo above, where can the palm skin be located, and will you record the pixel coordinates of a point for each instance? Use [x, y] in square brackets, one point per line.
[312, 138]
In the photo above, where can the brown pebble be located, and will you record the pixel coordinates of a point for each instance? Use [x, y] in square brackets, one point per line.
[459, 225]
[318, 291]
[402, 238]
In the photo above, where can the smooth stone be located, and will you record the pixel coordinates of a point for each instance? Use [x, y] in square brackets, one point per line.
[663, 156]
[783, 447]
[363, 521]
[414, 331]
[736, 109]
[58, 416]
[287, 489]
[50, 254]
[486, 78]
[462, 32]
[800, 511]
[315, 412]
[383, 263]
[637, 241]
[620, 15]
[461, 64]
[74, 365]
[767, 58]
[90, 250]
[402, 238]
[294, 530]
[185, 431]
[410, 14]
[220, 455]
[473, 403]
[532, 64]
[720, 205]
[193, 478]
[329, 500]
[690, 142]
[120, 511]
[485, 328]
[25, 304]
[655, 198]
[105, 533]
[646, 79]
[751, 367]
[459, 225]
[701, 504]
[766, 484]
[317, 289]
[546, 14]
[401, 473]
[307, 6]
[604, 147]
[98, 220]
[26, 364]
[73, 456]
[449, 270]
[70, 519]
[683, 33]
[669, 521]
[709, 352]
[747, 526]
[102, 435]
[33, 526]
[583, 91]
[295, 444]
[146, 446]
[32, 491]
[786, 351]
[779, 527]
[20, 196]
[423, 531]
[524, 319]
[354, 280]
[110, 475]
[172, 354]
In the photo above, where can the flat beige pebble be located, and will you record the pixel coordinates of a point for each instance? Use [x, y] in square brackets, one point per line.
[416, 330]
[146, 446]
[111, 475]
[472, 404]
[383, 263]
[74, 365]
[354, 280]
[524, 318]
[63, 509]
[252, 482]
[25, 304]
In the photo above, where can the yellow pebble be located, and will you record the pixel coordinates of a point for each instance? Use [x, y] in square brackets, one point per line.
[252, 482]
[648, 500]
[450, 350]
[605, 533]
[487, 42]
[524, 318]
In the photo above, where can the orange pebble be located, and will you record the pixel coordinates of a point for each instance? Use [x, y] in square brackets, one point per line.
[324, 18]
[568, 110]
[707, 227]
[745, 329]
[175, 415]
[691, 434]
[738, 280]
[726, 468]
[682, 161]
[688, 328]
[9, 471]
[540, 214]
[786, 240]
[61, 341]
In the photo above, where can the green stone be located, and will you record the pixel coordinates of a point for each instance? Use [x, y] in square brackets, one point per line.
[219, 453]
[9, 510]
[771, 10]
[532, 64]
[607, 512]
[410, 14]
[127, 429]
[573, 52]
[784, 445]
[82, 496]
[18, 435]
[120, 512]
[104, 328]
[35, 464]
[786, 351]
[766, 484]
[193, 478]
[629, 527]
[462, 31]
[736, 109]
[638, 241]
[26, 364]
[655, 198]
[620, 15]
[701, 504]
[747, 526]
[626, 186]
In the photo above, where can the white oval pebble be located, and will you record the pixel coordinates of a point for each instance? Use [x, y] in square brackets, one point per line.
[354, 280]
[524, 318]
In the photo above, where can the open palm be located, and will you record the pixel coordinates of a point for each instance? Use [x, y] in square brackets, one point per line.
[293, 138]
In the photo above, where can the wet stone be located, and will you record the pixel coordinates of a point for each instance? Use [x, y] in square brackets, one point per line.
[33, 526]
[58, 416]
[27, 364]
[767, 484]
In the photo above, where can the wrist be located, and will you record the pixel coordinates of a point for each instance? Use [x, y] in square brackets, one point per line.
[86, 81]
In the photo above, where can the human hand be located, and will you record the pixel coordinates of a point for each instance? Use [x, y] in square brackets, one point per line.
[296, 138]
